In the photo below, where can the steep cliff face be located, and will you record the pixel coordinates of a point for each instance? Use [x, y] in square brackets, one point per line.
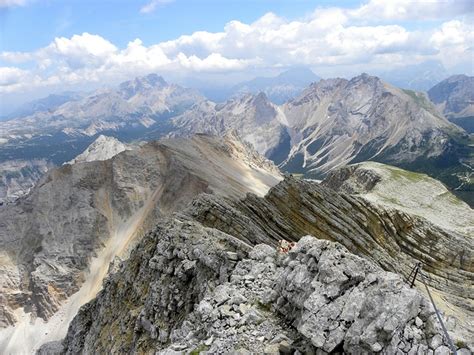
[188, 288]
[56, 244]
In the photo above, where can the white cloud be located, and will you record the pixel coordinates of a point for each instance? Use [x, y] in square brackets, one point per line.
[152, 5]
[410, 9]
[454, 41]
[11, 76]
[328, 37]
[11, 3]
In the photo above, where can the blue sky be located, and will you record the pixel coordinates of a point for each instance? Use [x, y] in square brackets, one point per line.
[55, 45]
[26, 28]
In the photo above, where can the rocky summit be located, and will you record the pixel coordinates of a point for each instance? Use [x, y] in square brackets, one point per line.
[191, 289]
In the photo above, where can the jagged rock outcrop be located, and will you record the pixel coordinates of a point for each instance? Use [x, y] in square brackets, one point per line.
[56, 243]
[188, 288]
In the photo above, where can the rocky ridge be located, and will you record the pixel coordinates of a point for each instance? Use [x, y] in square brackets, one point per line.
[189, 289]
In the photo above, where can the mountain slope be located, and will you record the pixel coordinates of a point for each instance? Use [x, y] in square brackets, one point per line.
[56, 244]
[280, 88]
[338, 121]
[17, 177]
[455, 98]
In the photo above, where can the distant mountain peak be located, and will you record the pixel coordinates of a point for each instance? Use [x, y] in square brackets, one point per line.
[141, 84]
[420, 77]
[281, 88]
[454, 97]
[103, 148]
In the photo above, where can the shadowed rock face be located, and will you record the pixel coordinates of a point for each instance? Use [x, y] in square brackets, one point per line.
[81, 215]
[191, 288]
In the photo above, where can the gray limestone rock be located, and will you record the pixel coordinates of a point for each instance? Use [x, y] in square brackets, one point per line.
[326, 299]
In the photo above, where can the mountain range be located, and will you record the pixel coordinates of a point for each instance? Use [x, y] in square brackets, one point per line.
[336, 122]
[331, 123]
[45, 104]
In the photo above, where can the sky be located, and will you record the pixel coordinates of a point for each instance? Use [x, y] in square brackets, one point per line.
[57, 45]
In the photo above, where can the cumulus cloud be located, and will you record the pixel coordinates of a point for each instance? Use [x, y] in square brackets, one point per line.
[328, 37]
[152, 5]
